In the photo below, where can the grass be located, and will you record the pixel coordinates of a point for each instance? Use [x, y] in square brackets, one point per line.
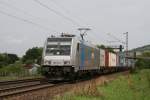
[132, 87]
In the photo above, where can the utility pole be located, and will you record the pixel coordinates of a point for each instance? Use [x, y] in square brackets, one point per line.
[125, 43]
[116, 38]
[127, 40]
[83, 32]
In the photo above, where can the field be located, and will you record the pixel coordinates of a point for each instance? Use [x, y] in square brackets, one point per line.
[135, 86]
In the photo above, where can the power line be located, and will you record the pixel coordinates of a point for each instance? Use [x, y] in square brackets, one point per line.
[22, 11]
[60, 6]
[97, 36]
[27, 21]
[24, 20]
[18, 9]
[58, 13]
[116, 38]
[66, 10]
[15, 8]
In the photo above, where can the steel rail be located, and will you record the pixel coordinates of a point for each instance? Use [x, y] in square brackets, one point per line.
[12, 93]
[19, 81]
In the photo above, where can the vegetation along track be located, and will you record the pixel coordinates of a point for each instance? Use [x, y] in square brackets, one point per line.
[45, 91]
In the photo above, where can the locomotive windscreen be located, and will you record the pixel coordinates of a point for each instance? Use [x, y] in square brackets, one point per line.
[58, 46]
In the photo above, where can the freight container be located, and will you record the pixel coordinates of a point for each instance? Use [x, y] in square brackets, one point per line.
[106, 58]
[110, 59]
[102, 58]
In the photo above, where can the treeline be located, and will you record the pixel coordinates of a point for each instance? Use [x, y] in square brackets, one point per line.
[32, 55]
[13, 66]
[107, 48]
[6, 59]
[143, 63]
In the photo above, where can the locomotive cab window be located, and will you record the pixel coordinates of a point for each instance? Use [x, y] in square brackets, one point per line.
[56, 46]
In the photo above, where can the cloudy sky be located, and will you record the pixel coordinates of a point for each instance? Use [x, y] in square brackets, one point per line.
[26, 23]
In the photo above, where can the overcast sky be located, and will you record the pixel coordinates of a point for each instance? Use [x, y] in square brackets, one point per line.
[102, 16]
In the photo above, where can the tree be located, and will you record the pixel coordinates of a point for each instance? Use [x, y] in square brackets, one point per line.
[2, 59]
[32, 55]
[101, 46]
[12, 58]
[6, 59]
[106, 48]
[143, 63]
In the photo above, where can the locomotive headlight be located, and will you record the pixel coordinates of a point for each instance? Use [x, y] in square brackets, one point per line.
[66, 62]
[47, 62]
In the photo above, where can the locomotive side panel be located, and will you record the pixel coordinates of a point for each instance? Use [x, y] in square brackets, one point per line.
[75, 54]
[88, 57]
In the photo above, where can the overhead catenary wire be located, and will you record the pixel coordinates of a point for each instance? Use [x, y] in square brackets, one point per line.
[53, 10]
[98, 36]
[19, 10]
[92, 37]
[16, 8]
[25, 20]
[62, 7]
[58, 13]
[114, 37]
[67, 11]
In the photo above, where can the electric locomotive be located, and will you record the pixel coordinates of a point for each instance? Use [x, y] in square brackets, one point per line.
[66, 56]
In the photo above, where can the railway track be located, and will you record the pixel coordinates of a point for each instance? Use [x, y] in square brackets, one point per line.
[21, 90]
[20, 81]
[42, 90]
[10, 88]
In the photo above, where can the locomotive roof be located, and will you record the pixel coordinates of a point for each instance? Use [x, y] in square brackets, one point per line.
[76, 38]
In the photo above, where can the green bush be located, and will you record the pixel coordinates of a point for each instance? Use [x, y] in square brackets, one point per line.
[33, 55]
[16, 68]
[6, 59]
[143, 63]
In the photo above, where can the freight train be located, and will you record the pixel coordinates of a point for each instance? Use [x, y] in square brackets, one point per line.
[67, 57]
